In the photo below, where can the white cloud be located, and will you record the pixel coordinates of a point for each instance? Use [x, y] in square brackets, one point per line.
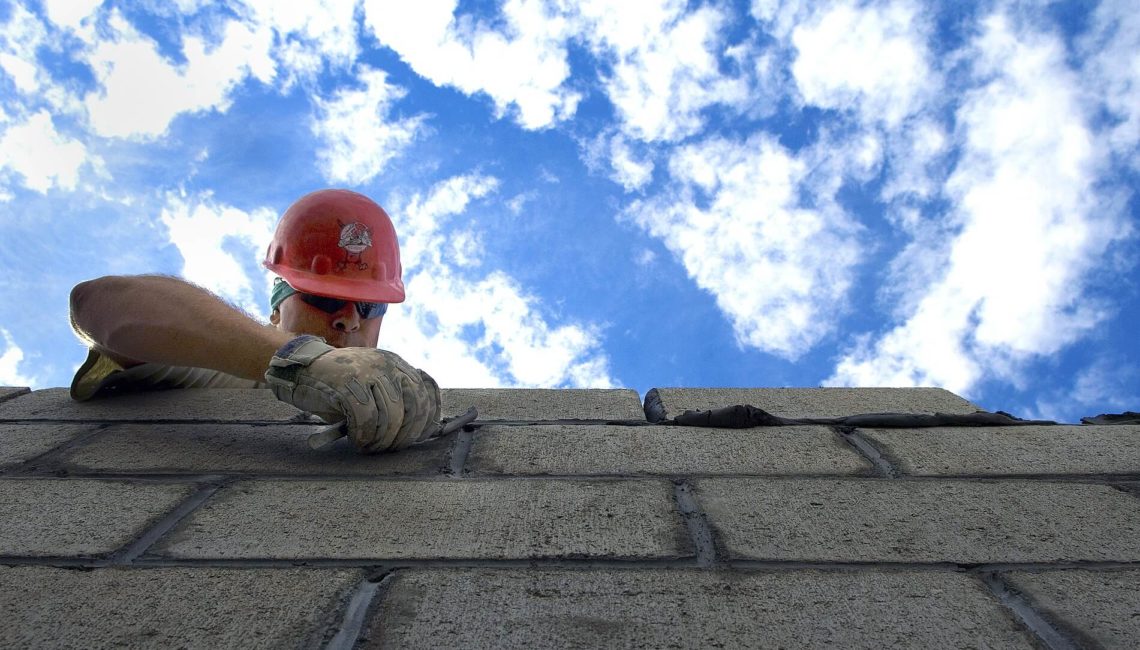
[629, 164]
[70, 13]
[19, 38]
[645, 257]
[522, 66]
[918, 154]
[465, 248]
[141, 91]
[23, 39]
[358, 133]
[517, 203]
[309, 33]
[478, 331]
[43, 157]
[1104, 386]
[1025, 229]
[632, 173]
[665, 64]
[221, 246]
[1108, 383]
[870, 59]
[765, 10]
[1113, 68]
[10, 360]
[779, 270]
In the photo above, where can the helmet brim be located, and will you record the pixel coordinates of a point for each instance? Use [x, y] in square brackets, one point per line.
[362, 290]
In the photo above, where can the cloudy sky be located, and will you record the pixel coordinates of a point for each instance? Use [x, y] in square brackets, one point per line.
[608, 193]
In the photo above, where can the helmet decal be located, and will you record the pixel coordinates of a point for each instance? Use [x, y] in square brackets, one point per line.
[355, 238]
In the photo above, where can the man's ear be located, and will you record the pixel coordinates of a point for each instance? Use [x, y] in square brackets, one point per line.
[275, 317]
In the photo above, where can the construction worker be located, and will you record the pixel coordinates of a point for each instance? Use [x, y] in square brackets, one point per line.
[338, 263]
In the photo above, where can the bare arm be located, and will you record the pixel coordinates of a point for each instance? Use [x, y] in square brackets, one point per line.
[160, 319]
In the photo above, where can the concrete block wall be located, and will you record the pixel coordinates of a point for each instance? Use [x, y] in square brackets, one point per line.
[563, 518]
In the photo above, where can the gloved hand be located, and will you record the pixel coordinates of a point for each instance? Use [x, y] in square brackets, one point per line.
[385, 403]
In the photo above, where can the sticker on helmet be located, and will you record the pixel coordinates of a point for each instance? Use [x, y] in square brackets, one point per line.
[355, 238]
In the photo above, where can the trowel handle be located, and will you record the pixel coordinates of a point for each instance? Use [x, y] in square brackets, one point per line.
[334, 432]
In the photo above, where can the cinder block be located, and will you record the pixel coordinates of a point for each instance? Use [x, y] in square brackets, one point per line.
[264, 449]
[208, 404]
[20, 442]
[1103, 606]
[662, 450]
[1012, 450]
[545, 404]
[868, 520]
[170, 608]
[434, 519]
[472, 608]
[79, 517]
[812, 402]
[9, 392]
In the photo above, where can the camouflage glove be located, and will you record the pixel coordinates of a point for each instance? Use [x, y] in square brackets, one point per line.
[385, 403]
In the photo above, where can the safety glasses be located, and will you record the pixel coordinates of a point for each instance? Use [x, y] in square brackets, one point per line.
[333, 305]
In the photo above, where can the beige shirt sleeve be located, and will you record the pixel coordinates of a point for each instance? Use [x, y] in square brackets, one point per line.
[99, 376]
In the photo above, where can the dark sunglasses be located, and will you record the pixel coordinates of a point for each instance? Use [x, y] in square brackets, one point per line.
[333, 305]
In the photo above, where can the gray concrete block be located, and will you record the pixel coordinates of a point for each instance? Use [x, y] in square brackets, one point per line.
[473, 608]
[10, 392]
[79, 517]
[1101, 606]
[869, 520]
[1012, 450]
[545, 404]
[433, 519]
[170, 608]
[162, 448]
[815, 402]
[22, 441]
[662, 450]
[208, 404]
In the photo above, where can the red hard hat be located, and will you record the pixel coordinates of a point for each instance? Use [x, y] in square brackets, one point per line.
[340, 244]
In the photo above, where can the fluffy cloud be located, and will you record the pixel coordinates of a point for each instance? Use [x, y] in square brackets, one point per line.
[19, 38]
[737, 221]
[221, 247]
[22, 38]
[10, 360]
[41, 156]
[70, 13]
[625, 162]
[1024, 232]
[1105, 385]
[633, 173]
[872, 60]
[1107, 382]
[665, 64]
[308, 33]
[1113, 48]
[522, 66]
[141, 91]
[359, 136]
[469, 330]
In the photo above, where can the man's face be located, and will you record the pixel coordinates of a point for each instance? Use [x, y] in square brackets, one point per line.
[343, 328]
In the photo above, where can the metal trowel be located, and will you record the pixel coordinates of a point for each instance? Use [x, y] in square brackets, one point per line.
[335, 432]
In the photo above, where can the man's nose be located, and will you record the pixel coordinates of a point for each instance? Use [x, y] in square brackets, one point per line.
[347, 319]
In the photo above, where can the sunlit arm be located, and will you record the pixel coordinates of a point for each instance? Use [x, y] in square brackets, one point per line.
[165, 320]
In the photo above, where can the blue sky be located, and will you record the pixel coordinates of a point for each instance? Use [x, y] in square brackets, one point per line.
[601, 194]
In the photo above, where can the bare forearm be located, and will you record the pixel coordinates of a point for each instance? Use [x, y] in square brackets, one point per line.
[165, 320]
